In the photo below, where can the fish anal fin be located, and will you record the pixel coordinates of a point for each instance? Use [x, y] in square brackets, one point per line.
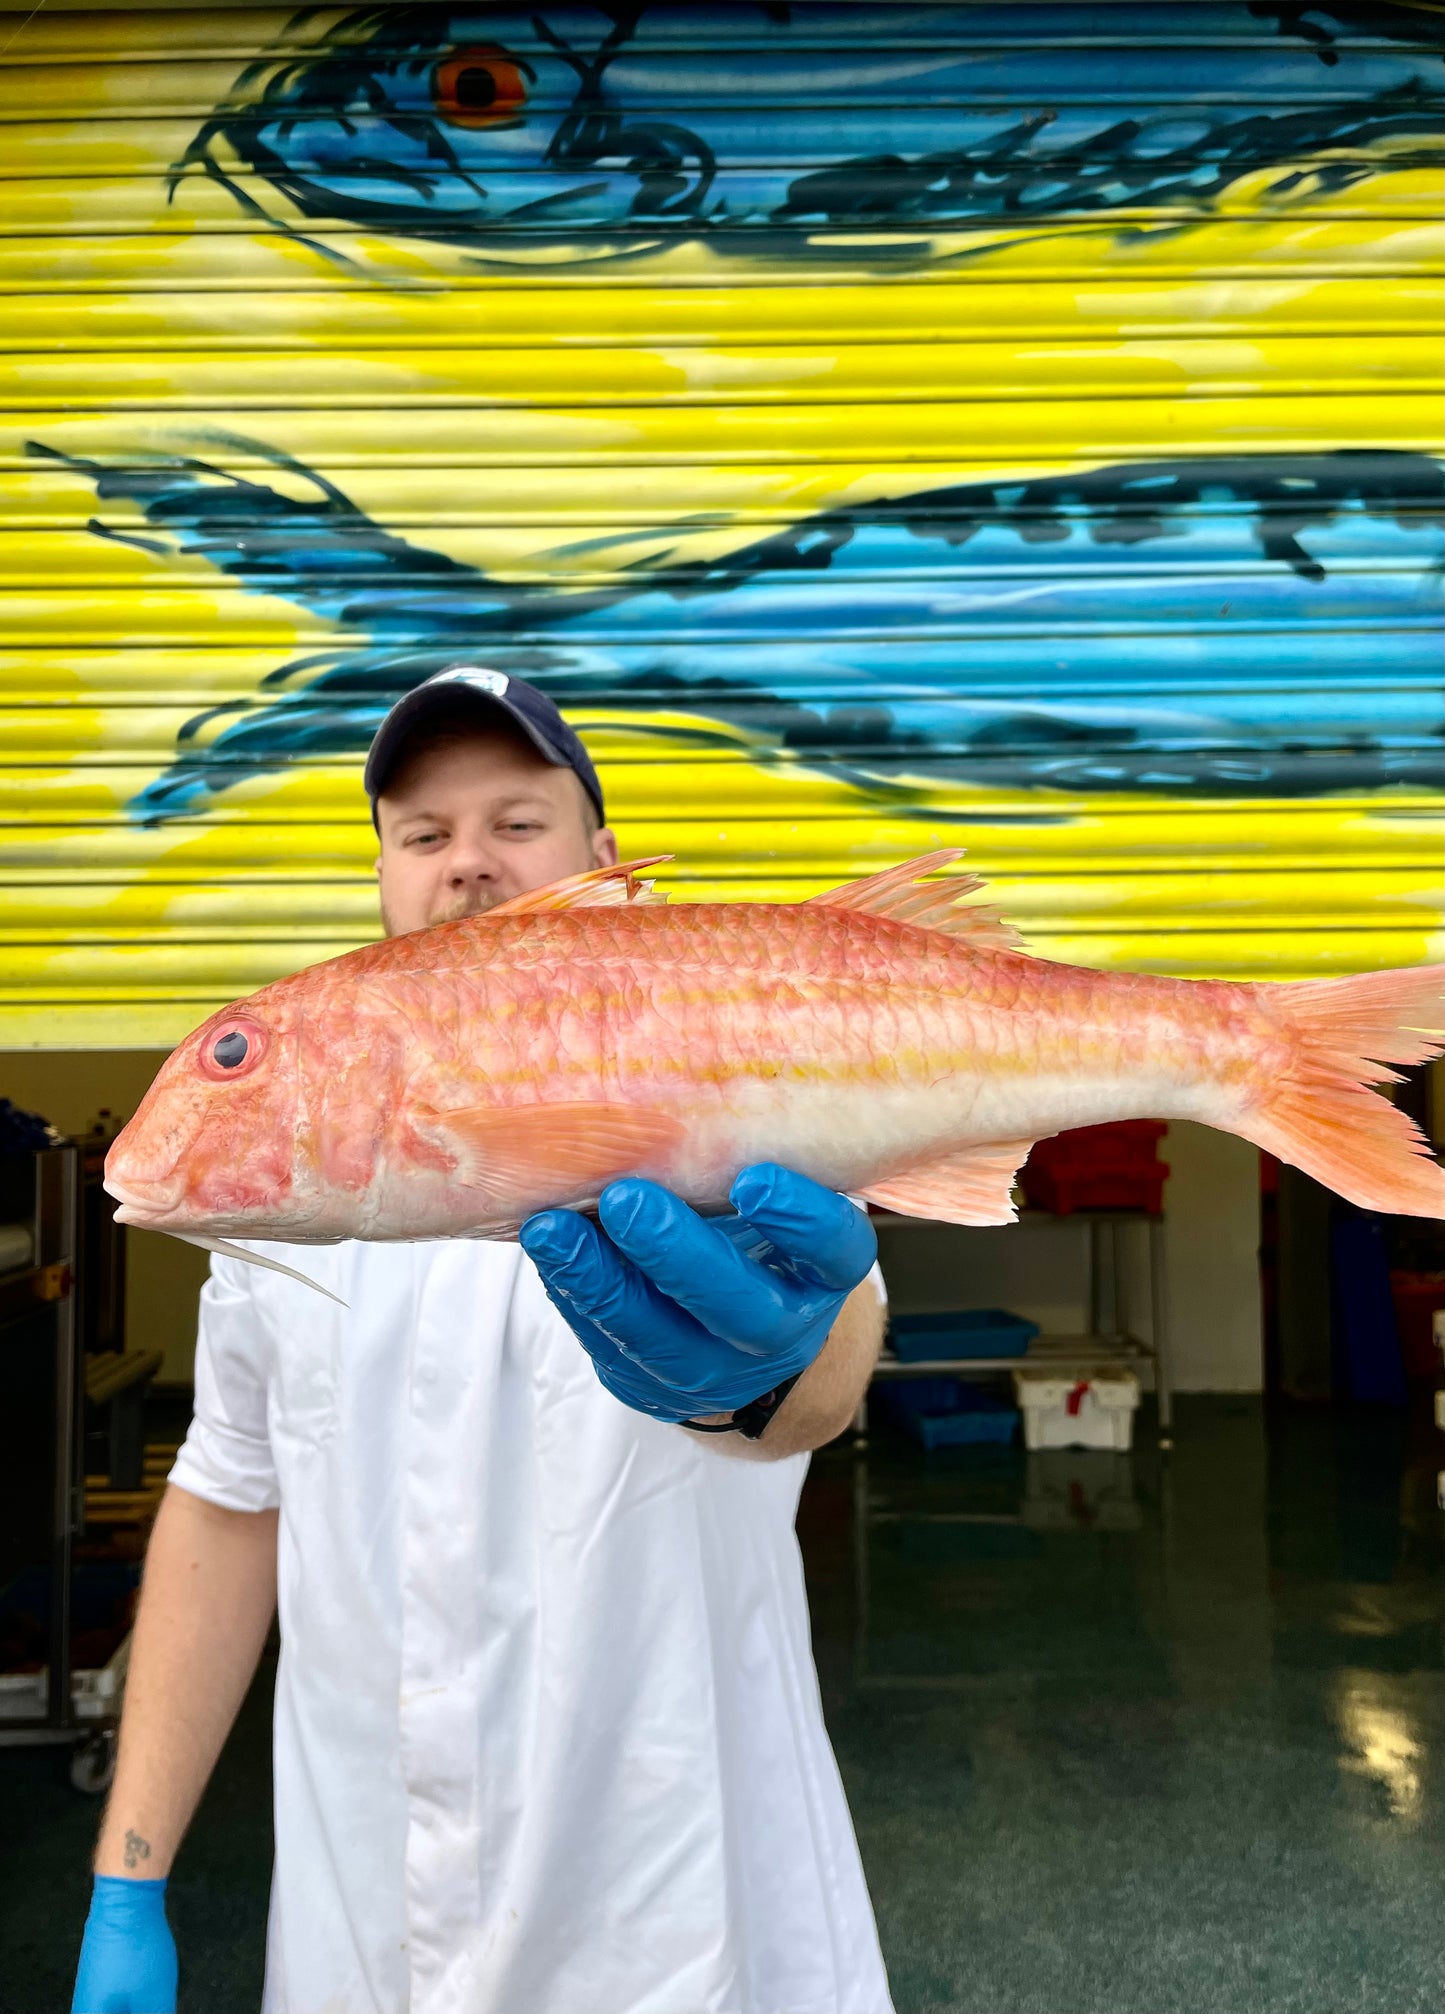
[971, 1186]
[901, 894]
[528, 1157]
[598, 888]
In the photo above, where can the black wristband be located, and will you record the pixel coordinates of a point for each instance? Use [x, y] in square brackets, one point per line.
[750, 1420]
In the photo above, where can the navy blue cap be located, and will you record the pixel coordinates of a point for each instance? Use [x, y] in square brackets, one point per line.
[453, 696]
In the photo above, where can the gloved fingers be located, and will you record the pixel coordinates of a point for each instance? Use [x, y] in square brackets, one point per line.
[628, 1380]
[697, 1267]
[554, 1243]
[583, 1269]
[821, 1234]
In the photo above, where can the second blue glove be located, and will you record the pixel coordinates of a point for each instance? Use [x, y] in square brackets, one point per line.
[684, 1315]
[128, 1958]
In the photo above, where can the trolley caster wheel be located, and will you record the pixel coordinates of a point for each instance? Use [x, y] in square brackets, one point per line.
[92, 1762]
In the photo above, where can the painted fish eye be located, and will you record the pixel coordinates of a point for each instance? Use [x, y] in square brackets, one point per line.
[234, 1049]
[483, 86]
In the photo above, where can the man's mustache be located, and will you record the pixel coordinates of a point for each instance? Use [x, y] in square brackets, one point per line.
[466, 902]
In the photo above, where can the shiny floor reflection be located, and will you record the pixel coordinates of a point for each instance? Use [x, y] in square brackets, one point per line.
[1119, 1739]
[1130, 1737]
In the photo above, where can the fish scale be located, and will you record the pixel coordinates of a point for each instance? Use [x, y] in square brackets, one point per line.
[889, 1038]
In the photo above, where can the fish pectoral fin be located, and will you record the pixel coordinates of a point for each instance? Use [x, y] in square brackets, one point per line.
[933, 905]
[598, 888]
[532, 1157]
[971, 1186]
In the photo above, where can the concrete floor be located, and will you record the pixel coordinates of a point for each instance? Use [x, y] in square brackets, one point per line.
[1119, 1737]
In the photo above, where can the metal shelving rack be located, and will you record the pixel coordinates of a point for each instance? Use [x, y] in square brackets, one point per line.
[1112, 1345]
[47, 1281]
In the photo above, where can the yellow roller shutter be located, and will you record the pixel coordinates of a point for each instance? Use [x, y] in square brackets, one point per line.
[880, 426]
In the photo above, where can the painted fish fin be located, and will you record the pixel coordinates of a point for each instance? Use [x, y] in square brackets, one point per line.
[970, 1187]
[532, 1156]
[599, 887]
[934, 906]
[226, 1250]
[1321, 1114]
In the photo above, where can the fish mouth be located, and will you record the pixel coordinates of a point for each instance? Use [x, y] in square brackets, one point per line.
[146, 1205]
[161, 1206]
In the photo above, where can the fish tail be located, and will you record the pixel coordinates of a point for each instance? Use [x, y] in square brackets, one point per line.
[1323, 1114]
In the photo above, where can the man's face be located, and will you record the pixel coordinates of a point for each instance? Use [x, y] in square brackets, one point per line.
[475, 821]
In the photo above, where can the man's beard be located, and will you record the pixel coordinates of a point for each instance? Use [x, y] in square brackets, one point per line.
[473, 902]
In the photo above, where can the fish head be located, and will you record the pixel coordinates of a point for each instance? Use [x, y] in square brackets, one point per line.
[214, 1145]
[607, 131]
[440, 122]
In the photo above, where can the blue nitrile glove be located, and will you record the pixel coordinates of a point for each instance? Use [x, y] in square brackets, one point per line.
[128, 1958]
[683, 1315]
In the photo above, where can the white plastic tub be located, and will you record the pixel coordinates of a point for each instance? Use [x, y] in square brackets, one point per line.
[94, 1694]
[1088, 1409]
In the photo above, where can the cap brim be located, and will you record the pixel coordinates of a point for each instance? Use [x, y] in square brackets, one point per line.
[434, 703]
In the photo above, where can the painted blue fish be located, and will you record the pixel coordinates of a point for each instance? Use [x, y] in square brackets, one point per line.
[1238, 626]
[772, 129]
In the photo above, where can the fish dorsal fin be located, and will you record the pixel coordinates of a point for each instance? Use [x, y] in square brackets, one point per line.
[935, 905]
[598, 888]
[972, 1186]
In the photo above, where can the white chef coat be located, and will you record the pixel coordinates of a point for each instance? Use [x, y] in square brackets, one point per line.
[548, 1737]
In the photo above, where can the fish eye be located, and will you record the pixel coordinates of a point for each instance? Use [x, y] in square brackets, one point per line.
[234, 1049]
[483, 86]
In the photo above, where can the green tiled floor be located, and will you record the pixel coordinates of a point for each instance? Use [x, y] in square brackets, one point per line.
[1194, 1765]
[1120, 1739]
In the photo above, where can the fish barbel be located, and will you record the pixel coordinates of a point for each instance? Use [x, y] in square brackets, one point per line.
[886, 1038]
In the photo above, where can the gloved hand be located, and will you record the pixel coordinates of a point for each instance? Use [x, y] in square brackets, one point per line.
[128, 1958]
[685, 1316]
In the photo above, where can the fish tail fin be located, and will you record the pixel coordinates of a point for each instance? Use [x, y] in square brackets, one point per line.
[1324, 1116]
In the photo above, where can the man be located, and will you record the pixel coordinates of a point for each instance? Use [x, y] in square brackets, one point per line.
[548, 1738]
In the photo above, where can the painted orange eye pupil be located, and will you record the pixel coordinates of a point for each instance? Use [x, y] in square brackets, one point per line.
[231, 1050]
[480, 87]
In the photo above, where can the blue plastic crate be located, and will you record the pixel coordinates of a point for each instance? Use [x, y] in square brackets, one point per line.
[948, 1412]
[963, 1333]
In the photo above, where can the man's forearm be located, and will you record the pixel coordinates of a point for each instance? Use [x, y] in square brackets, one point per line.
[207, 1599]
[826, 1396]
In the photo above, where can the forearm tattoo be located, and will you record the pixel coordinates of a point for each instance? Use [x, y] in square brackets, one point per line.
[136, 1849]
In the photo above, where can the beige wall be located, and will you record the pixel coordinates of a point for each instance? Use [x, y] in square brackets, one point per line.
[163, 1276]
[1211, 1240]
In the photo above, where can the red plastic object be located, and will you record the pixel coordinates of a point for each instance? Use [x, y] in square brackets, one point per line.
[1416, 1297]
[1099, 1168]
[1065, 1193]
[1130, 1144]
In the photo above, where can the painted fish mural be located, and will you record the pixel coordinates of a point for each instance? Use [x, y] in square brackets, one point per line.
[503, 127]
[919, 633]
[868, 421]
